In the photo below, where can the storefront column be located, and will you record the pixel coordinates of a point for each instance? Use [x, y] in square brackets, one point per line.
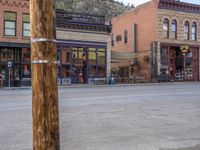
[60, 66]
[108, 57]
[158, 58]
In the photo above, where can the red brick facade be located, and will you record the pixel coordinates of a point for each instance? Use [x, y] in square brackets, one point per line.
[20, 7]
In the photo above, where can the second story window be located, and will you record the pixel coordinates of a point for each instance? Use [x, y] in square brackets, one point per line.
[125, 36]
[174, 29]
[186, 30]
[166, 28]
[194, 31]
[10, 23]
[112, 40]
[118, 38]
[26, 25]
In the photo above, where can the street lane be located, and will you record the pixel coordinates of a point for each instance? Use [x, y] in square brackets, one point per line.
[153, 117]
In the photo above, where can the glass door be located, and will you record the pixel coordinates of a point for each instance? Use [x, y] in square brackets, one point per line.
[79, 65]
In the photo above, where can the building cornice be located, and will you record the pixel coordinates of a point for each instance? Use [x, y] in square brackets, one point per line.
[16, 3]
[179, 6]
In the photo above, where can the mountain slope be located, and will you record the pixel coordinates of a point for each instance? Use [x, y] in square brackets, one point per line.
[109, 8]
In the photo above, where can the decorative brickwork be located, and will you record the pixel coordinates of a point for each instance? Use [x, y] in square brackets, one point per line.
[14, 3]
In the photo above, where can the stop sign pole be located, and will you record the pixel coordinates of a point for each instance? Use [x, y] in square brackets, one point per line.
[45, 111]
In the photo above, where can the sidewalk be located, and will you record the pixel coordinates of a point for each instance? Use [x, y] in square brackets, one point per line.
[105, 85]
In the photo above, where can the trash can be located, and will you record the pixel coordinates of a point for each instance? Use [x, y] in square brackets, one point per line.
[111, 80]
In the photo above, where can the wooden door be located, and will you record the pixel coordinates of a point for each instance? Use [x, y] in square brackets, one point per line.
[195, 57]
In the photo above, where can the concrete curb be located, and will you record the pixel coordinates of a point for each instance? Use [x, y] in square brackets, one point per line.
[106, 85]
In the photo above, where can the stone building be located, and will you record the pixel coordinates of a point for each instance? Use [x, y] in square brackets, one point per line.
[82, 42]
[165, 37]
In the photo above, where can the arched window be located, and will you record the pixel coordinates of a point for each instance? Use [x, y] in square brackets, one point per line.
[187, 30]
[166, 28]
[174, 29]
[194, 31]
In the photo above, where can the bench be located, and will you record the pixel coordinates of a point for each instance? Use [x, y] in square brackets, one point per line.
[97, 81]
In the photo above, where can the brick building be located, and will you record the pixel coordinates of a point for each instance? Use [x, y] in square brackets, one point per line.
[14, 41]
[82, 43]
[164, 35]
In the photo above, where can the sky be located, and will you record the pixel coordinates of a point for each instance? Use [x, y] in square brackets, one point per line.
[137, 2]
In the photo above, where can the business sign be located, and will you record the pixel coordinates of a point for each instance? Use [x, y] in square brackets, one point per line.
[10, 64]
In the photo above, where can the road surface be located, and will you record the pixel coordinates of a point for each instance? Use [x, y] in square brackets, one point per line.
[152, 117]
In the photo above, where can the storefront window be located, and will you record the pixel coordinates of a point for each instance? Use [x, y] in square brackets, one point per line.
[80, 55]
[26, 71]
[7, 54]
[86, 63]
[188, 68]
[26, 55]
[17, 69]
[3, 70]
[92, 58]
[164, 61]
[101, 56]
[74, 55]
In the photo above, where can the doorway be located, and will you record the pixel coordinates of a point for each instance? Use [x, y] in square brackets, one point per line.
[182, 64]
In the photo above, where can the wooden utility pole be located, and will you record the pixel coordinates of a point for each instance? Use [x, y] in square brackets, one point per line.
[44, 76]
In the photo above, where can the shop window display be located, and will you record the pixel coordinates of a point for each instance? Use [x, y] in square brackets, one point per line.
[178, 62]
[164, 62]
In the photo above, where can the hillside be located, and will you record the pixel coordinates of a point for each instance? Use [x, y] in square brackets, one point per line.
[109, 8]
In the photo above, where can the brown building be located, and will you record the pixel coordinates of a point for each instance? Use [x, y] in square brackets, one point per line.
[164, 36]
[83, 44]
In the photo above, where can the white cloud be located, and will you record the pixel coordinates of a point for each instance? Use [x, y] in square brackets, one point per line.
[134, 2]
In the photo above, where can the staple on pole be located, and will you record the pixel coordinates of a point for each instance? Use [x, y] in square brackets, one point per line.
[34, 40]
[44, 62]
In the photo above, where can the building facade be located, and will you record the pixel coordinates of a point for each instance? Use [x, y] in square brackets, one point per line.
[165, 37]
[15, 42]
[82, 44]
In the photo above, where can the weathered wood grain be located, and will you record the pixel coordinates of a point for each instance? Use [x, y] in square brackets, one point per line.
[44, 77]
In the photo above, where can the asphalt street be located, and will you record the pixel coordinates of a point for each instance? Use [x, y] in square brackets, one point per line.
[152, 117]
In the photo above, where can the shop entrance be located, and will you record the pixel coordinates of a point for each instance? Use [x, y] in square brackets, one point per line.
[182, 63]
[82, 64]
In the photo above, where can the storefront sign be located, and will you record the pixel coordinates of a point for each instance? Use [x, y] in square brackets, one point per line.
[10, 64]
[184, 48]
